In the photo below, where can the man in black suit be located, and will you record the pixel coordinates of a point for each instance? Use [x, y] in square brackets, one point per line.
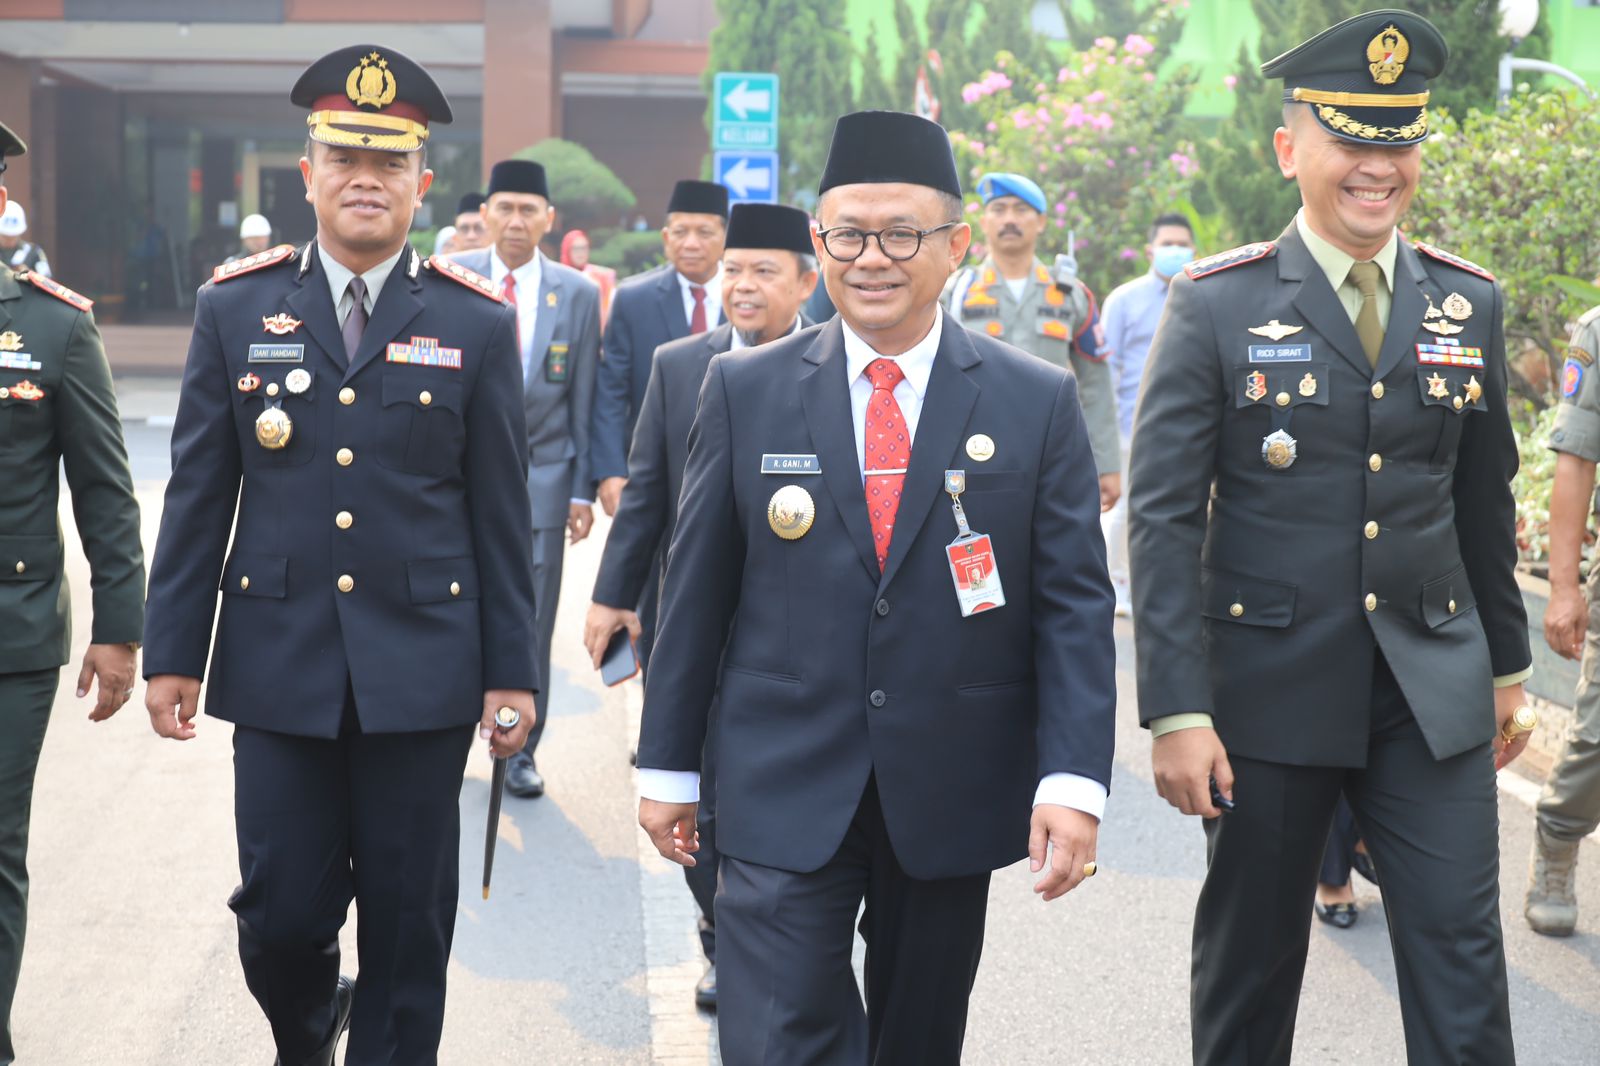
[768, 270]
[676, 299]
[362, 412]
[888, 573]
[1323, 549]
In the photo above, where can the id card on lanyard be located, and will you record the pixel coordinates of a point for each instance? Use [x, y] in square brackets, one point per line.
[973, 569]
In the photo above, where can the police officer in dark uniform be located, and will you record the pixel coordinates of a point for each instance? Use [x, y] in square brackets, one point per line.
[57, 407]
[1323, 548]
[361, 409]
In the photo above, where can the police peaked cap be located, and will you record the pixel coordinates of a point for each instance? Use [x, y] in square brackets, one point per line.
[369, 96]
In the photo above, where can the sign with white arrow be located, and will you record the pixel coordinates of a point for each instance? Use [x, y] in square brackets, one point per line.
[751, 177]
[746, 111]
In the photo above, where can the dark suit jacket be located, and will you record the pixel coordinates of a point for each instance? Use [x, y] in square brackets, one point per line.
[646, 313]
[62, 413]
[439, 551]
[566, 346]
[835, 672]
[1251, 584]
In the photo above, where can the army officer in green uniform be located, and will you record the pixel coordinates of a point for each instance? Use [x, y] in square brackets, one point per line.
[56, 404]
[1323, 550]
[1569, 806]
[1052, 314]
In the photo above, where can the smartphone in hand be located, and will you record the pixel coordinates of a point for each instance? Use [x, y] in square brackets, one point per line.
[621, 660]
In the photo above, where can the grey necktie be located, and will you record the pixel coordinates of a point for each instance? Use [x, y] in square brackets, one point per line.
[355, 323]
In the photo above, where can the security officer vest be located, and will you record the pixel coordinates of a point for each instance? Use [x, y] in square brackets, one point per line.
[1043, 321]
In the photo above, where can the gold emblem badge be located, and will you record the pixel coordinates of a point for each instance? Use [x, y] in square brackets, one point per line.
[1279, 450]
[249, 383]
[1275, 330]
[1457, 306]
[1255, 386]
[279, 324]
[27, 390]
[1442, 327]
[980, 447]
[1438, 388]
[10, 341]
[1308, 386]
[370, 83]
[1474, 390]
[1387, 54]
[273, 428]
[550, 299]
[790, 512]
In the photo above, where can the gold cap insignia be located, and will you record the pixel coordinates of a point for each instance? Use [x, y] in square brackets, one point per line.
[10, 341]
[371, 84]
[1387, 54]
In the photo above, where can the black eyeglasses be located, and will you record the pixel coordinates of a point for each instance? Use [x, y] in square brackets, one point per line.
[847, 244]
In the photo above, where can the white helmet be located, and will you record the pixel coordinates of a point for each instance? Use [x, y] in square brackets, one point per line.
[255, 226]
[14, 223]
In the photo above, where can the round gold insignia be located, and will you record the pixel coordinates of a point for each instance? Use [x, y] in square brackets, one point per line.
[790, 512]
[980, 447]
[1457, 307]
[1387, 54]
[370, 83]
[273, 428]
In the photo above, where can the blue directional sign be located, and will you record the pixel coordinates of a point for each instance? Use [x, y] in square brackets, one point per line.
[745, 115]
[751, 177]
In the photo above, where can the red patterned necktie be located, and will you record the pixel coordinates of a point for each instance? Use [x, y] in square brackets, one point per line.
[886, 447]
[697, 321]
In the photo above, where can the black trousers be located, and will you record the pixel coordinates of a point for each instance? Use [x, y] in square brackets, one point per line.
[787, 995]
[1339, 857]
[25, 702]
[1432, 828]
[369, 817]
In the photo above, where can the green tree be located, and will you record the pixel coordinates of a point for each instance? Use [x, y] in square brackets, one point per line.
[585, 192]
[806, 43]
[1089, 20]
[876, 91]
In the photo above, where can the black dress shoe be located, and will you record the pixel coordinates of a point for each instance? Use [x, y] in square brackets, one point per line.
[1363, 864]
[1340, 915]
[522, 779]
[344, 997]
[705, 991]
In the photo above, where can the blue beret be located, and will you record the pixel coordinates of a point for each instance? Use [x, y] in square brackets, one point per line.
[993, 186]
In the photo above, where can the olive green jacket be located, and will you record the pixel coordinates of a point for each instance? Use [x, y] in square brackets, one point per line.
[57, 407]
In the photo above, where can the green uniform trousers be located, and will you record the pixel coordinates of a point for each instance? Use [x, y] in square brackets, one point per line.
[25, 701]
[1569, 807]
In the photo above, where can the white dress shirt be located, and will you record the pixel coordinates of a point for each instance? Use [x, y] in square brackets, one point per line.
[530, 276]
[339, 277]
[713, 298]
[1065, 790]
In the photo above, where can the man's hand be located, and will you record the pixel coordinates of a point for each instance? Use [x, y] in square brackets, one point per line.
[172, 700]
[1566, 620]
[506, 743]
[599, 625]
[1071, 836]
[113, 664]
[610, 493]
[1110, 491]
[1185, 760]
[580, 519]
[671, 829]
[1506, 702]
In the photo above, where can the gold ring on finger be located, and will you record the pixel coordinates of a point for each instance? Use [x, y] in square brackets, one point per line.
[1089, 868]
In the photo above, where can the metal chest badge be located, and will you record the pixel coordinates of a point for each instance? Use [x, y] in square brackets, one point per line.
[791, 511]
[973, 569]
[280, 324]
[1279, 450]
[274, 428]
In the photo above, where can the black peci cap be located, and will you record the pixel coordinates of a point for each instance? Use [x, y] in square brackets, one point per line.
[368, 96]
[1366, 79]
[470, 202]
[518, 175]
[769, 226]
[877, 147]
[699, 198]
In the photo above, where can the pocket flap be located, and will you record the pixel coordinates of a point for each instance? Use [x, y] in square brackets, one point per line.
[248, 574]
[1454, 388]
[1280, 384]
[29, 558]
[1249, 601]
[1447, 597]
[440, 580]
[423, 394]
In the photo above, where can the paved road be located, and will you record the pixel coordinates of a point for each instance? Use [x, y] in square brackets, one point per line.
[586, 953]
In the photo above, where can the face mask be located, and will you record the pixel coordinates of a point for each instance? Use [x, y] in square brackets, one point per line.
[1169, 259]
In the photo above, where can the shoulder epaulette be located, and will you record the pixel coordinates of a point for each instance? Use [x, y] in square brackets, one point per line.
[1213, 264]
[56, 289]
[1454, 260]
[1591, 315]
[473, 280]
[271, 257]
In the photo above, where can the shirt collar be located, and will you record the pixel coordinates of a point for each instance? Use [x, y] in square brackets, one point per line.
[529, 275]
[737, 343]
[713, 287]
[1335, 262]
[916, 362]
[339, 275]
